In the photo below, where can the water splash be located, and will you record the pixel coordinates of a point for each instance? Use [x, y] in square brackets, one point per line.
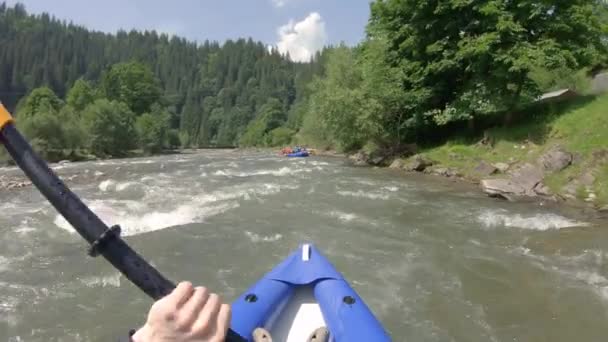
[254, 237]
[542, 222]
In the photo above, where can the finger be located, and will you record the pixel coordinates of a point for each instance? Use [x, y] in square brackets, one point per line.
[223, 320]
[180, 295]
[220, 328]
[206, 321]
[189, 312]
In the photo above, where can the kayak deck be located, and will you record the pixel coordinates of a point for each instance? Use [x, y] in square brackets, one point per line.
[299, 319]
[301, 294]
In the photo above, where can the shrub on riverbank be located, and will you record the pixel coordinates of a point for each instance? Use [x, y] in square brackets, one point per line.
[580, 126]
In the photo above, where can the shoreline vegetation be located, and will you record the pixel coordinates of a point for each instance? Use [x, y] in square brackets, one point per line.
[506, 94]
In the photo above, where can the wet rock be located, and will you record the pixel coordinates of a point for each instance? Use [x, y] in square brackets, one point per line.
[445, 172]
[484, 169]
[527, 177]
[501, 167]
[439, 171]
[502, 188]
[604, 209]
[397, 164]
[379, 160]
[542, 190]
[522, 182]
[556, 159]
[418, 163]
[359, 158]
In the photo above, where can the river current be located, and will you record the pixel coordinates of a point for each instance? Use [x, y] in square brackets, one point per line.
[435, 260]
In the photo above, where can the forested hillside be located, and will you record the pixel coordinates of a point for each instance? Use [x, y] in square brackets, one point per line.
[210, 91]
[425, 71]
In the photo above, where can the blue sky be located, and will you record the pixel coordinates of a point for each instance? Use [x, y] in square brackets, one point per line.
[296, 26]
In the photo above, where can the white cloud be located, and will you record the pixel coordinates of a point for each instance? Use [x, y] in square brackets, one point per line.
[302, 39]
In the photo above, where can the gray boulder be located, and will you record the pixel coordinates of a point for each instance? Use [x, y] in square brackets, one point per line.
[397, 164]
[418, 163]
[376, 161]
[542, 190]
[527, 177]
[445, 172]
[484, 169]
[523, 181]
[359, 158]
[502, 188]
[501, 167]
[556, 159]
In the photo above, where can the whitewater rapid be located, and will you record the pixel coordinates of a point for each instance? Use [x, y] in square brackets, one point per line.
[435, 260]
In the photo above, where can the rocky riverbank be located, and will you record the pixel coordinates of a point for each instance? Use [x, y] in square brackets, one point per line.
[512, 180]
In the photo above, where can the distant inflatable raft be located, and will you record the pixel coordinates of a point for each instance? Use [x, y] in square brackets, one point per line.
[300, 154]
[301, 294]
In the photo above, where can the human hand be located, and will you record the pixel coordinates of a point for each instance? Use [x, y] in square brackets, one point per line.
[187, 314]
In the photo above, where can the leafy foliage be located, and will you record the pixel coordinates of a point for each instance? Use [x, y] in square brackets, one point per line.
[111, 126]
[81, 95]
[271, 117]
[133, 84]
[461, 59]
[153, 130]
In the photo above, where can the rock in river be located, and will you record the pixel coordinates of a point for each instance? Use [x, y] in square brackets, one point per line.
[418, 163]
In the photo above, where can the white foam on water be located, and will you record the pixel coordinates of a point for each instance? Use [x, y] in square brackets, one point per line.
[106, 185]
[139, 162]
[254, 237]
[4, 263]
[360, 181]
[597, 282]
[391, 188]
[284, 171]
[125, 185]
[24, 227]
[363, 194]
[318, 163]
[146, 220]
[542, 222]
[344, 217]
[112, 280]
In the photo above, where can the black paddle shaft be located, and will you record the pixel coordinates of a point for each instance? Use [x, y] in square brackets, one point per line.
[103, 240]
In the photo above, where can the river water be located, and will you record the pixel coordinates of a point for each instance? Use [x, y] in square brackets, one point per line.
[434, 260]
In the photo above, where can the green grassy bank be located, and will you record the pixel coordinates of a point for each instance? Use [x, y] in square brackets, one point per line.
[579, 125]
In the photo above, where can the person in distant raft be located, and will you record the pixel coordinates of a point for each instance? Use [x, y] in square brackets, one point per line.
[192, 314]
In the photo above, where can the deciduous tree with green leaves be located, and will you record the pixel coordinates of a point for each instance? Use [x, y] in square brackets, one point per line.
[80, 95]
[463, 58]
[111, 126]
[153, 129]
[40, 101]
[132, 83]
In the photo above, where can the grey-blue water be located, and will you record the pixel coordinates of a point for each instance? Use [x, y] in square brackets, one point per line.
[436, 261]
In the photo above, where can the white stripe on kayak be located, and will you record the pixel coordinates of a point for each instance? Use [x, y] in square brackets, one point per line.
[306, 252]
